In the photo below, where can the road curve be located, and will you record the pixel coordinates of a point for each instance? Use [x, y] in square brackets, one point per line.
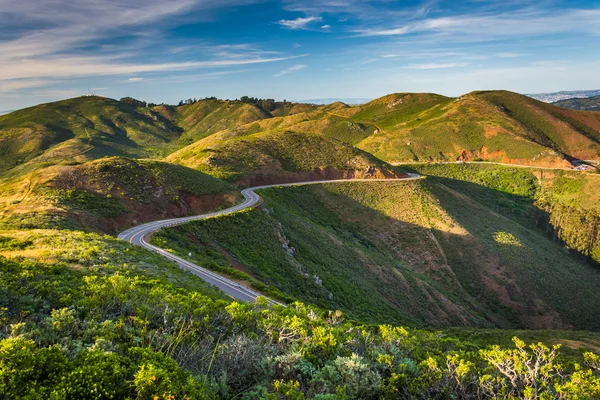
[137, 236]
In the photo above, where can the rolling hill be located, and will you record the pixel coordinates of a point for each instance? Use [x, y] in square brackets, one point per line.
[470, 246]
[493, 126]
[279, 156]
[207, 116]
[81, 129]
[108, 195]
[584, 104]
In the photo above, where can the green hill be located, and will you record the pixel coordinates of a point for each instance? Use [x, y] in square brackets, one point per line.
[109, 195]
[494, 126]
[84, 315]
[427, 253]
[279, 156]
[584, 104]
[205, 117]
[81, 129]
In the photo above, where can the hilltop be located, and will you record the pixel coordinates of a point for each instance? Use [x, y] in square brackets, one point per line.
[585, 104]
[81, 129]
[407, 127]
[279, 156]
[108, 195]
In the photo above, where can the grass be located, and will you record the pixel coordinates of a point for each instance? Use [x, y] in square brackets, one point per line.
[494, 125]
[80, 129]
[417, 253]
[274, 153]
[109, 194]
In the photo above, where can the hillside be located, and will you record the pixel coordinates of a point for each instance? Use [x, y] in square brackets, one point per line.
[83, 314]
[585, 104]
[108, 195]
[205, 117]
[494, 126]
[279, 156]
[564, 205]
[414, 253]
[81, 129]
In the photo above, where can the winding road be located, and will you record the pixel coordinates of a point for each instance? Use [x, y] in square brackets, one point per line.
[138, 235]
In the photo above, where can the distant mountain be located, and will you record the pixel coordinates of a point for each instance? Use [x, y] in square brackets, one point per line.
[492, 126]
[558, 96]
[350, 101]
[585, 104]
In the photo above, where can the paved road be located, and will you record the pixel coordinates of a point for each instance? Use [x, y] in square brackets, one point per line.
[137, 235]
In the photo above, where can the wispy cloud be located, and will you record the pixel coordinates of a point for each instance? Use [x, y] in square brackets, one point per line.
[19, 84]
[59, 93]
[299, 23]
[136, 79]
[289, 70]
[94, 66]
[61, 39]
[436, 65]
[517, 23]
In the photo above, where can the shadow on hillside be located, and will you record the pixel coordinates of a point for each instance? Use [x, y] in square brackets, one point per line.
[498, 272]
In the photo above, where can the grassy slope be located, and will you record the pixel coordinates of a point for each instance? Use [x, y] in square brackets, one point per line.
[563, 204]
[497, 126]
[407, 252]
[84, 314]
[584, 104]
[109, 194]
[277, 155]
[80, 129]
[206, 117]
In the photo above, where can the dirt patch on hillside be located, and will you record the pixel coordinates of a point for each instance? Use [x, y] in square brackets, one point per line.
[546, 159]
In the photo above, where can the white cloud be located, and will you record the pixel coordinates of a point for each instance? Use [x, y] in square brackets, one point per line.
[19, 84]
[326, 26]
[54, 32]
[518, 23]
[136, 79]
[290, 70]
[59, 93]
[69, 67]
[298, 23]
[436, 65]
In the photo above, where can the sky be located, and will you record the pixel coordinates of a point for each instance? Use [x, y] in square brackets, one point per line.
[169, 50]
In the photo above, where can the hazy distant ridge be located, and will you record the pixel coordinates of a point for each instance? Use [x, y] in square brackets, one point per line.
[557, 96]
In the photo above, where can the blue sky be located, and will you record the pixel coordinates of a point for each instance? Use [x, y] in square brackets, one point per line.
[167, 50]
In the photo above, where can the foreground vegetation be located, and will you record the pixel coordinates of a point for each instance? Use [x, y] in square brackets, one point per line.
[102, 319]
